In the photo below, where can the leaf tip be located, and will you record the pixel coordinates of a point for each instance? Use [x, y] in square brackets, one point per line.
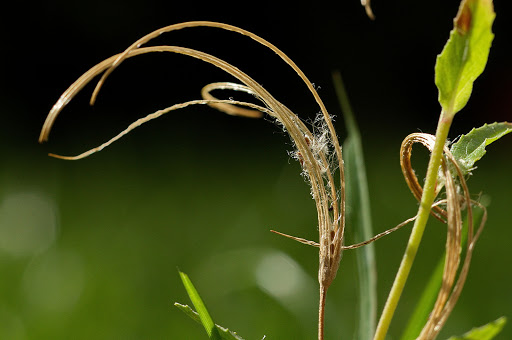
[462, 21]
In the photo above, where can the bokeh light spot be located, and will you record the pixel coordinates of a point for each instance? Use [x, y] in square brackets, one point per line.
[28, 223]
[279, 275]
[54, 282]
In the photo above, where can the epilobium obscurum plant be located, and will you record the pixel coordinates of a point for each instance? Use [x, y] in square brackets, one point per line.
[318, 150]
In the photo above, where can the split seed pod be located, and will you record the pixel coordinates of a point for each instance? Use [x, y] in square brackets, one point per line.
[320, 152]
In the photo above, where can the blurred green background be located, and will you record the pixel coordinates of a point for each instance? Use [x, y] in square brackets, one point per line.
[90, 249]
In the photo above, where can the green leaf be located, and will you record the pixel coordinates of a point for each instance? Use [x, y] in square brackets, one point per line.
[429, 295]
[486, 332]
[465, 54]
[359, 216]
[204, 316]
[189, 311]
[225, 333]
[425, 304]
[471, 147]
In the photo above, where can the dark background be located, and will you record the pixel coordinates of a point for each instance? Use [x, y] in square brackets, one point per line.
[199, 190]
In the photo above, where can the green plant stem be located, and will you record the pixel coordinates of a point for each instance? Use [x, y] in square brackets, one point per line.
[427, 199]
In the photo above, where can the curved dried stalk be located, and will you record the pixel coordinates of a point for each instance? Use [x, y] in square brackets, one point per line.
[450, 289]
[410, 177]
[319, 151]
[228, 107]
[368, 8]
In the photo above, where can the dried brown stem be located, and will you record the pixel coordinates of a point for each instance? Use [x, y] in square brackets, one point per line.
[321, 312]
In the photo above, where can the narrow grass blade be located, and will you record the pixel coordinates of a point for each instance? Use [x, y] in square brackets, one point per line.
[204, 316]
[486, 332]
[225, 333]
[428, 297]
[471, 147]
[425, 303]
[189, 311]
[359, 216]
[465, 54]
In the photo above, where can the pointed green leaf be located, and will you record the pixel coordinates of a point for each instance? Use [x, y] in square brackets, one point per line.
[471, 147]
[204, 316]
[359, 216]
[189, 311]
[225, 333]
[429, 295]
[424, 306]
[486, 332]
[465, 54]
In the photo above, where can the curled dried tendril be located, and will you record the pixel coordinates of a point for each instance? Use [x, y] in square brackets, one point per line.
[320, 151]
[452, 216]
